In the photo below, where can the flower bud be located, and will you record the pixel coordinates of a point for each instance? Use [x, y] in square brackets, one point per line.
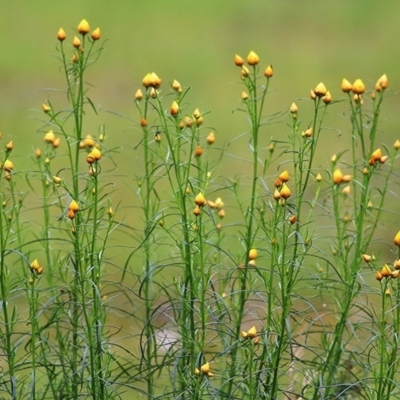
[366, 257]
[197, 211]
[245, 96]
[200, 200]
[293, 108]
[38, 153]
[211, 138]
[61, 35]
[10, 145]
[238, 60]
[269, 72]
[358, 87]
[96, 34]
[73, 206]
[346, 86]
[396, 239]
[253, 254]
[346, 190]
[176, 86]
[284, 176]
[46, 109]
[174, 109]
[219, 203]
[245, 72]
[49, 137]
[382, 83]
[327, 99]
[138, 95]
[143, 122]
[293, 219]
[277, 195]
[285, 192]
[198, 151]
[396, 145]
[337, 176]
[76, 42]
[386, 271]
[252, 58]
[320, 90]
[83, 27]
[318, 178]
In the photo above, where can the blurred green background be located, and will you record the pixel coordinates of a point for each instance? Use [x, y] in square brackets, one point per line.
[194, 42]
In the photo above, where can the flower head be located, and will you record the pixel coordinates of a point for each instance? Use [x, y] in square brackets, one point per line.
[83, 27]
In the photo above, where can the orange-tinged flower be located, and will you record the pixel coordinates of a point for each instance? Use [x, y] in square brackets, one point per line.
[293, 108]
[96, 34]
[278, 183]
[347, 178]
[176, 86]
[292, 219]
[253, 254]
[34, 265]
[200, 200]
[8, 165]
[38, 153]
[221, 213]
[96, 153]
[377, 154]
[238, 60]
[308, 133]
[61, 35]
[269, 72]
[277, 195]
[284, 176]
[139, 95]
[320, 90]
[73, 206]
[89, 141]
[397, 264]
[327, 99]
[346, 86]
[285, 192]
[83, 27]
[252, 332]
[337, 176]
[386, 271]
[197, 211]
[358, 87]
[56, 143]
[245, 71]
[151, 80]
[174, 109]
[211, 138]
[49, 137]
[366, 257]
[378, 276]
[396, 239]
[46, 108]
[10, 145]
[198, 151]
[382, 83]
[76, 42]
[252, 58]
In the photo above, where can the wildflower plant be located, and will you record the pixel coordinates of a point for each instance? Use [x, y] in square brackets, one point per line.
[289, 299]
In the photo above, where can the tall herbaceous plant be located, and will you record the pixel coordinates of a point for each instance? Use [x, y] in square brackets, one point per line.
[265, 284]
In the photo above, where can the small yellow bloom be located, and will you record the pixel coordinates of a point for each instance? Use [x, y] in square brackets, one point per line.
[346, 190]
[358, 87]
[285, 192]
[61, 35]
[320, 90]
[396, 144]
[269, 72]
[8, 165]
[219, 203]
[83, 27]
[73, 206]
[211, 138]
[56, 143]
[293, 108]
[284, 176]
[245, 71]
[46, 109]
[174, 110]
[197, 211]
[396, 239]
[318, 178]
[57, 180]
[245, 96]
[253, 254]
[76, 42]
[198, 151]
[49, 137]
[382, 83]
[139, 95]
[10, 145]
[200, 200]
[277, 195]
[386, 271]
[366, 257]
[96, 34]
[252, 58]
[327, 99]
[337, 176]
[34, 265]
[346, 86]
[238, 60]
[176, 86]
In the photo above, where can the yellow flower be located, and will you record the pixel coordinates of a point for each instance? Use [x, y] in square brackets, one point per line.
[96, 34]
[73, 206]
[269, 72]
[174, 109]
[284, 176]
[8, 165]
[320, 90]
[176, 86]
[211, 138]
[337, 176]
[252, 58]
[83, 27]
[253, 254]
[49, 137]
[396, 239]
[238, 60]
[200, 200]
[358, 87]
[346, 86]
[293, 108]
[382, 83]
[61, 35]
[76, 42]
[285, 192]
